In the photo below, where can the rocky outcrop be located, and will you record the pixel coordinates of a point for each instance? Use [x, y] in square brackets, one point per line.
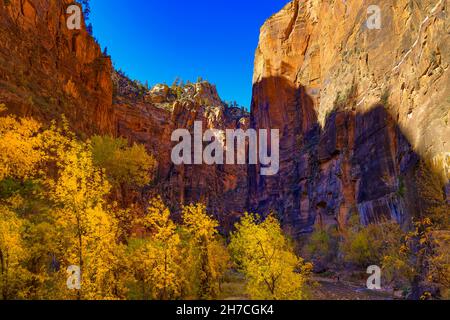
[151, 118]
[356, 108]
[47, 70]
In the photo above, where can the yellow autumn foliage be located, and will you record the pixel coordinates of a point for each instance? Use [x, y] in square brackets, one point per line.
[207, 257]
[12, 255]
[19, 147]
[264, 254]
[88, 230]
[157, 261]
[124, 165]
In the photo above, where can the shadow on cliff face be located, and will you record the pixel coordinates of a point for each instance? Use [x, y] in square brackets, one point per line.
[278, 105]
[359, 162]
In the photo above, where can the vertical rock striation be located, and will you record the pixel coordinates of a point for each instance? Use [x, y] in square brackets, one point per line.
[151, 119]
[356, 108]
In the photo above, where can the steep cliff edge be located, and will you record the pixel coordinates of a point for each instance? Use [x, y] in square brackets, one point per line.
[47, 70]
[356, 107]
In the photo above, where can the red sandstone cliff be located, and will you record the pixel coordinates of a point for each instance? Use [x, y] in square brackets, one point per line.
[357, 108]
[151, 117]
[47, 70]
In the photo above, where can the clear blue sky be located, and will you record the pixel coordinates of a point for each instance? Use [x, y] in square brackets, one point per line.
[160, 40]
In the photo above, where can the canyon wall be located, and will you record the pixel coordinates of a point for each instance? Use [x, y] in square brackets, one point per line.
[151, 119]
[47, 70]
[356, 107]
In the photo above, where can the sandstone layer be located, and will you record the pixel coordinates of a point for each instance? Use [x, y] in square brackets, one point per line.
[47, 70]
[151, 118]
[357, 108]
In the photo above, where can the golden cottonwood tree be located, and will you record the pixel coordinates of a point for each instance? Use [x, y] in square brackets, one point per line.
[264, 254]
[208, 257]
[12, 255]
[123, 164]
[167, 277]
[87, 231]
[158, 261]
[127, 167]
[19, 147]
[19, 158]
[62, 219]
[141, 267]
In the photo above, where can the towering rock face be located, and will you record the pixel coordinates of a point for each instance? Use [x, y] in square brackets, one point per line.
[151, 117]
[356, 108]
[47, 70]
